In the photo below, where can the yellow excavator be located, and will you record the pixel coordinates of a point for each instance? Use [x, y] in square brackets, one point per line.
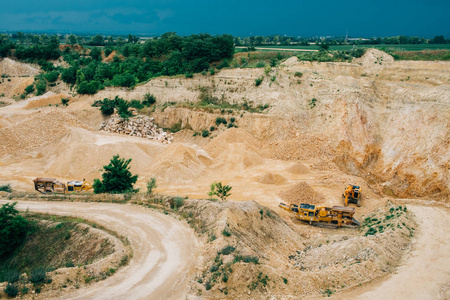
[51, 185]
[313, 214]
[352, 194]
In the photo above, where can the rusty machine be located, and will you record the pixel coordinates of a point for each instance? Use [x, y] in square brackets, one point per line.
[51, 185]
[338, 215]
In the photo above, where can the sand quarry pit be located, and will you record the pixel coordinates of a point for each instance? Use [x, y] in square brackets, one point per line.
[380, 131]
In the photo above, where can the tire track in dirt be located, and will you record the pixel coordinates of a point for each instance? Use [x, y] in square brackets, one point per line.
[164, 250]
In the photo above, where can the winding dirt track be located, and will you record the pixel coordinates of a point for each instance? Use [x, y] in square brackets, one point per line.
[164, 250]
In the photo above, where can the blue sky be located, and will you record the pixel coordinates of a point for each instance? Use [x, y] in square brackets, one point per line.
[243, 18]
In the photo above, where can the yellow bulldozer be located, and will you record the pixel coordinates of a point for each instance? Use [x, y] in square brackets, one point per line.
[352, 194]
[314, 214]
[51, 185]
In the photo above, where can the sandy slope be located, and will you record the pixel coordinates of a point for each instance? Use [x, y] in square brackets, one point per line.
[425, 272]
[165, 251]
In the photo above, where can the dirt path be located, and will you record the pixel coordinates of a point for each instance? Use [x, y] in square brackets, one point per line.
[425, 271]
[164, 250]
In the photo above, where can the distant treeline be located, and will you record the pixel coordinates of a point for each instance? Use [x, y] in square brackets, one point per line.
[133, 62]
[302, 41]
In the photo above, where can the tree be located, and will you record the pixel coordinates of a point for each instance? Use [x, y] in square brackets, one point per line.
[221, 191]
[72, 39]
[117, 177]
[151, 184]
[13, 228]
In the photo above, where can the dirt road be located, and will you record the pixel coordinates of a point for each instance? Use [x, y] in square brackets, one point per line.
[425, 271]
[164, 250]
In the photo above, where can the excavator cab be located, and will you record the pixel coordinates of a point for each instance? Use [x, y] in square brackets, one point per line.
[352, 194]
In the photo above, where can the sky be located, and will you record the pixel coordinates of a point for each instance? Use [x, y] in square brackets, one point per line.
[366, 18]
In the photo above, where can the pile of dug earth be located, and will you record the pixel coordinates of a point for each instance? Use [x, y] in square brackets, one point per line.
[140, 126]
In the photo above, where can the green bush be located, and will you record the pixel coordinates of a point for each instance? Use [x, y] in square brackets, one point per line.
[151, 184]
[298, 74]
[260, 64]
[227, 250]
[123, 111]
[5, 188]
[225, 232]
[89, 88]
[149, 100]
[64, 101]
[136, 104]
[29, 89]
[11, 290]
[189, 75]
[220, 120]
[258, 81]
[117, 177]
[212, 128]
[41, 87]
[205, 133]
[176, 203]
[13, 228]
[246, 259]
[51, 76]
[37, 275]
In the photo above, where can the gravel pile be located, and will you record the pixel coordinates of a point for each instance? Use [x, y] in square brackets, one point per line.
[140, 126]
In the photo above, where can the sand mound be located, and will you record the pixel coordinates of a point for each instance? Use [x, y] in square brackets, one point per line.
[270, 178]
[231, 136]
[36, 130]
[375, 57]
[301, 193]
[178, 163]
[89, 152]
[14, 68]
[291, 61]
[298, 168]
[45, 100]
[237, 156]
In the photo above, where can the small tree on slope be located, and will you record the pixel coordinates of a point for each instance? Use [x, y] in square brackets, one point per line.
[117, 177]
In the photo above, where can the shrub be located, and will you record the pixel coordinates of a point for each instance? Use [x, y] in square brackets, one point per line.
[9, 275]
[117, 177]
[51, 76]
[13, 228]
[298, 74]
[69, 264]
[212, 128]
[6, 188]
[228, 249]
[312, 103]
[212, 71]
[11, 290]
[123, 111]
[246, 259]
[260, 64]
[89, 88]
[176, 203]
[149, 100]
[225, 232]
[205, 133]
[151, 184]
[220, 120]
[175, 127]
[29, 89]
[41, 87]
[258, 81]
[233, 119]
[64, 101]
[37, 275]
[189, 75]
[136, 104]
[208, 285]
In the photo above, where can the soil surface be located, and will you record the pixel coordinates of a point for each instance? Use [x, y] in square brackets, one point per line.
[165, 251]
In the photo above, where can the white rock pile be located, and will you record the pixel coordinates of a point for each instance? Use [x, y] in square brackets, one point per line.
[140, 126]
